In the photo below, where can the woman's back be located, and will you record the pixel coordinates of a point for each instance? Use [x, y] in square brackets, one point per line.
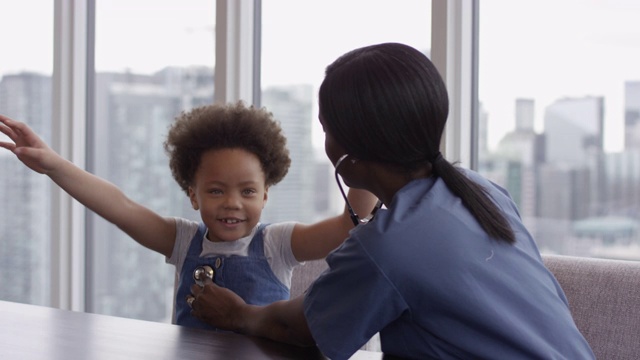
[435, 285]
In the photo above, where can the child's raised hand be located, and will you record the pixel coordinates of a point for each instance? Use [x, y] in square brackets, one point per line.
[27, 146]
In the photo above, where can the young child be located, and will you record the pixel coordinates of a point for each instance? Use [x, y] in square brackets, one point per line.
[225, 158]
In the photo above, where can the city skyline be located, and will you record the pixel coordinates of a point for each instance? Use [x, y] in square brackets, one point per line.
[133, 111]
[550, 60]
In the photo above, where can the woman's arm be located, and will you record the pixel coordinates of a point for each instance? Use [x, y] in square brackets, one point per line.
[316, 241]
[282, 321]
[105, 199]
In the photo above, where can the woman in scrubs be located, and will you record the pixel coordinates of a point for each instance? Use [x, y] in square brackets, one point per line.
[445, 270]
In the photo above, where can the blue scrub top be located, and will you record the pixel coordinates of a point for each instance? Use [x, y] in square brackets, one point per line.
[426, 276]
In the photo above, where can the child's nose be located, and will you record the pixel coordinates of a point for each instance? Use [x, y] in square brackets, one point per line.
[233, 201]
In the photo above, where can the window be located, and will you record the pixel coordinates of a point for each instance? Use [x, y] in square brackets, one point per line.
[25, 94]
[148, 69]
[295, 51]
[559, 90]
[559, 124]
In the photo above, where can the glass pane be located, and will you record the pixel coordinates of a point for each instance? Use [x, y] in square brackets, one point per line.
[25, 95]
[295, 51]
[560, 111]
[153, 60]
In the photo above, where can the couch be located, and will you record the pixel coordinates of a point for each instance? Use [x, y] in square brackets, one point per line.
[603, 295]
[604, 298]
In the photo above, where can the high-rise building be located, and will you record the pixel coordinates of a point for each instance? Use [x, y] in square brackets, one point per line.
[25, 196]
[516, 159]
[632, 114]
[564, 192]
[328, 200]
[525, 111]
[573, 129]
[573, 159]
[293, 198]
[622, 176]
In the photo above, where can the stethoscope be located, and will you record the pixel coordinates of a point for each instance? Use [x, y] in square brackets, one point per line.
[354, 217]
[201, 273]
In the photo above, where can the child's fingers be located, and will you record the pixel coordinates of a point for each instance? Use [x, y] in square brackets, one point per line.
[19, 132]
[197, 289]
[7, 145]
[208, 281]
[5, 129]
[19, 128]
[6, 121]
[13, 129]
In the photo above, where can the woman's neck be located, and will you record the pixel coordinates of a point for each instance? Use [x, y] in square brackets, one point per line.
[385, 181]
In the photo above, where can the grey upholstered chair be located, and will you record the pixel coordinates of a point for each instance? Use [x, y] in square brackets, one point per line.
[604, 298]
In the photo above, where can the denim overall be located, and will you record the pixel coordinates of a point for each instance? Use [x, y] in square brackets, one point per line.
[249, 276]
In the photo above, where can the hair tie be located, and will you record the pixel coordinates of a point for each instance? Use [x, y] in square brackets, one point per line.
[437, 157]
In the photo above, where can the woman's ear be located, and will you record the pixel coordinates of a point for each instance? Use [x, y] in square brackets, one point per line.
[194, 200]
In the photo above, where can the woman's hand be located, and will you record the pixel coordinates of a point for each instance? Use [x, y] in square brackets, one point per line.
[217, 306]
[282, 321]
[27, 146]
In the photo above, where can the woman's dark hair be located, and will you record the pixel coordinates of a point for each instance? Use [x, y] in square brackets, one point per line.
[226, 126]
[387, 103]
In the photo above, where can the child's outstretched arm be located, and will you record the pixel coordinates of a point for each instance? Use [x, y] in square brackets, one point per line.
[105, 199]
[316, 241]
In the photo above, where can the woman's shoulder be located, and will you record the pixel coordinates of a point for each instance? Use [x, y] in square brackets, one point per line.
[486, 182]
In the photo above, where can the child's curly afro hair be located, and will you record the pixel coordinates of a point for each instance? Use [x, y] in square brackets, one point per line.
[225, 126]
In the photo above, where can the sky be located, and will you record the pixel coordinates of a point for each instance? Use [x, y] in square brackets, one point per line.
[543, 49]
[549, 49]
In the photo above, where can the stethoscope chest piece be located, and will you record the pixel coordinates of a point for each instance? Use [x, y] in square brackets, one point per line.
[202, 272]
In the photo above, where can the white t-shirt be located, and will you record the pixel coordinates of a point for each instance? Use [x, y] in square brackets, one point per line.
[277, 247]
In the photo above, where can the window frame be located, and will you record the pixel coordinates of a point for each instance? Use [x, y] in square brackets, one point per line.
[69, 110]
[454, 52]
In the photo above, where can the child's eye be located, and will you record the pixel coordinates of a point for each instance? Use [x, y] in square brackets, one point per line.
[215, 191]
[248, 191]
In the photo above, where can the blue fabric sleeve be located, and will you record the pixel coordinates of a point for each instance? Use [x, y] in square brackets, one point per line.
[350, 302]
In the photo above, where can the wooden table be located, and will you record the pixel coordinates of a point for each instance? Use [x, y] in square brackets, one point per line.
[37, 332]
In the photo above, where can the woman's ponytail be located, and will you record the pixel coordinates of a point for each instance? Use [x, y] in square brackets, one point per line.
[475, 198]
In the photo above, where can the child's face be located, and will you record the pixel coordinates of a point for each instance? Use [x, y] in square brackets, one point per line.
[229, 190]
